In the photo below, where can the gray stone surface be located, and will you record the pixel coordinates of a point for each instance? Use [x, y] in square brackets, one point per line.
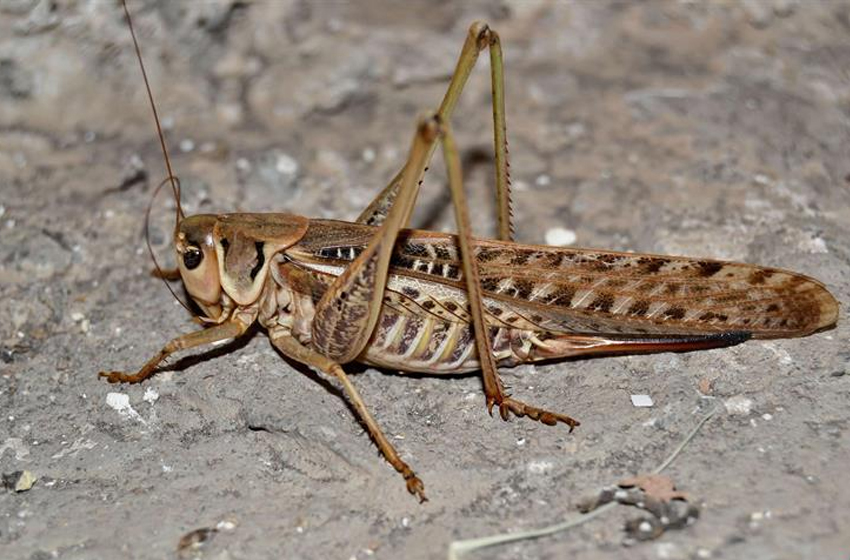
[707, 129]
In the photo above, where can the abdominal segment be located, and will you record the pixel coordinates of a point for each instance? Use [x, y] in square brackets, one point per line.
[429, 344]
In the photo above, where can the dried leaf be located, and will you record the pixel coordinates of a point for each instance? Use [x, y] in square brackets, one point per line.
[655, 486]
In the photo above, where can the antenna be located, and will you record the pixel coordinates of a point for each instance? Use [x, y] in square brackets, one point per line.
[175, 182]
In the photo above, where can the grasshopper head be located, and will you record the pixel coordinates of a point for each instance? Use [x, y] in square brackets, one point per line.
[230, 254]
[194, 241]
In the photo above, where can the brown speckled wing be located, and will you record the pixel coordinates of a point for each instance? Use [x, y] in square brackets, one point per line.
[596, 291]
[562, 290]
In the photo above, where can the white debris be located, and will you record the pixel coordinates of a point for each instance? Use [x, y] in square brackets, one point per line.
[641, 401]
[540, 467]
[225, 525]
[543, 180]
[187, 145]
[150, 396]
[368, 155]
[76, 316]
[560, 237]
[242, 164]
[817, 245]
[286, 165]
[121, 403]
[761, 179]
[738, 405]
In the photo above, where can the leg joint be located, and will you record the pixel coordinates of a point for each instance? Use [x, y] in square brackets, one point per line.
[481, 33]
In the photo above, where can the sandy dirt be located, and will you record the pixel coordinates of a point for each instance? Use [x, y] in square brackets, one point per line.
[707, 129]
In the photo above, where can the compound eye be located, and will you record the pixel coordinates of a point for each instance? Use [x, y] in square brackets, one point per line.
[192, 258]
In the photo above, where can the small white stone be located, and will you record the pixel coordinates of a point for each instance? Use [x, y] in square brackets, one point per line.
[225, 525]
[405, 522]
[118, 401]
[76, 316]
[85, 325]
[560, 237]
[150, 396]
[767, 416]
[368, 155]
[187, 145]
[540, 467]
[818, 245]
[738, 405]
[641, 401]
[543, 180]
[286, 165]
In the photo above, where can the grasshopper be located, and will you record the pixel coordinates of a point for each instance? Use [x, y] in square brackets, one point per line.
[329, 292]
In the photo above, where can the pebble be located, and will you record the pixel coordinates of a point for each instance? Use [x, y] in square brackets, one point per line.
[560, 237]
[738, 405]
[19, 481]
[286, 165]
[642, 401]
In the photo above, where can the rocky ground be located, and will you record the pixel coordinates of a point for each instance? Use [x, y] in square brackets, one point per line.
[715, 129]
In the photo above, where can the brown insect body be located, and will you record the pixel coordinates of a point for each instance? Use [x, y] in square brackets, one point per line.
[330, 292]
[540, 302]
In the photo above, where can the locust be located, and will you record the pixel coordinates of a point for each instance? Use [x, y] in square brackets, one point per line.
[329, 293]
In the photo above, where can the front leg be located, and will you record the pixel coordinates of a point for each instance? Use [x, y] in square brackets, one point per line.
[286, 343]
[230, 329]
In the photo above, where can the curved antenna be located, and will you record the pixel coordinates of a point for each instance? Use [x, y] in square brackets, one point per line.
[175, 183]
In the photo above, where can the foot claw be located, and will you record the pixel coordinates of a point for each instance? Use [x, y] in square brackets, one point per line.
[504, 412]
[520, 409]
[111, 376]
[490, 402]
[415, 487]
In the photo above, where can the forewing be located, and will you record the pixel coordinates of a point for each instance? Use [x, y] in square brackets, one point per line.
[561, 290]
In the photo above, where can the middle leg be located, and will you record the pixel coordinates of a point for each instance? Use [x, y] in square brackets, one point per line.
[493, 388]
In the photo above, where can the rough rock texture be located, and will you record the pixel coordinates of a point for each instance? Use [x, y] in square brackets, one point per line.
[708, 129]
